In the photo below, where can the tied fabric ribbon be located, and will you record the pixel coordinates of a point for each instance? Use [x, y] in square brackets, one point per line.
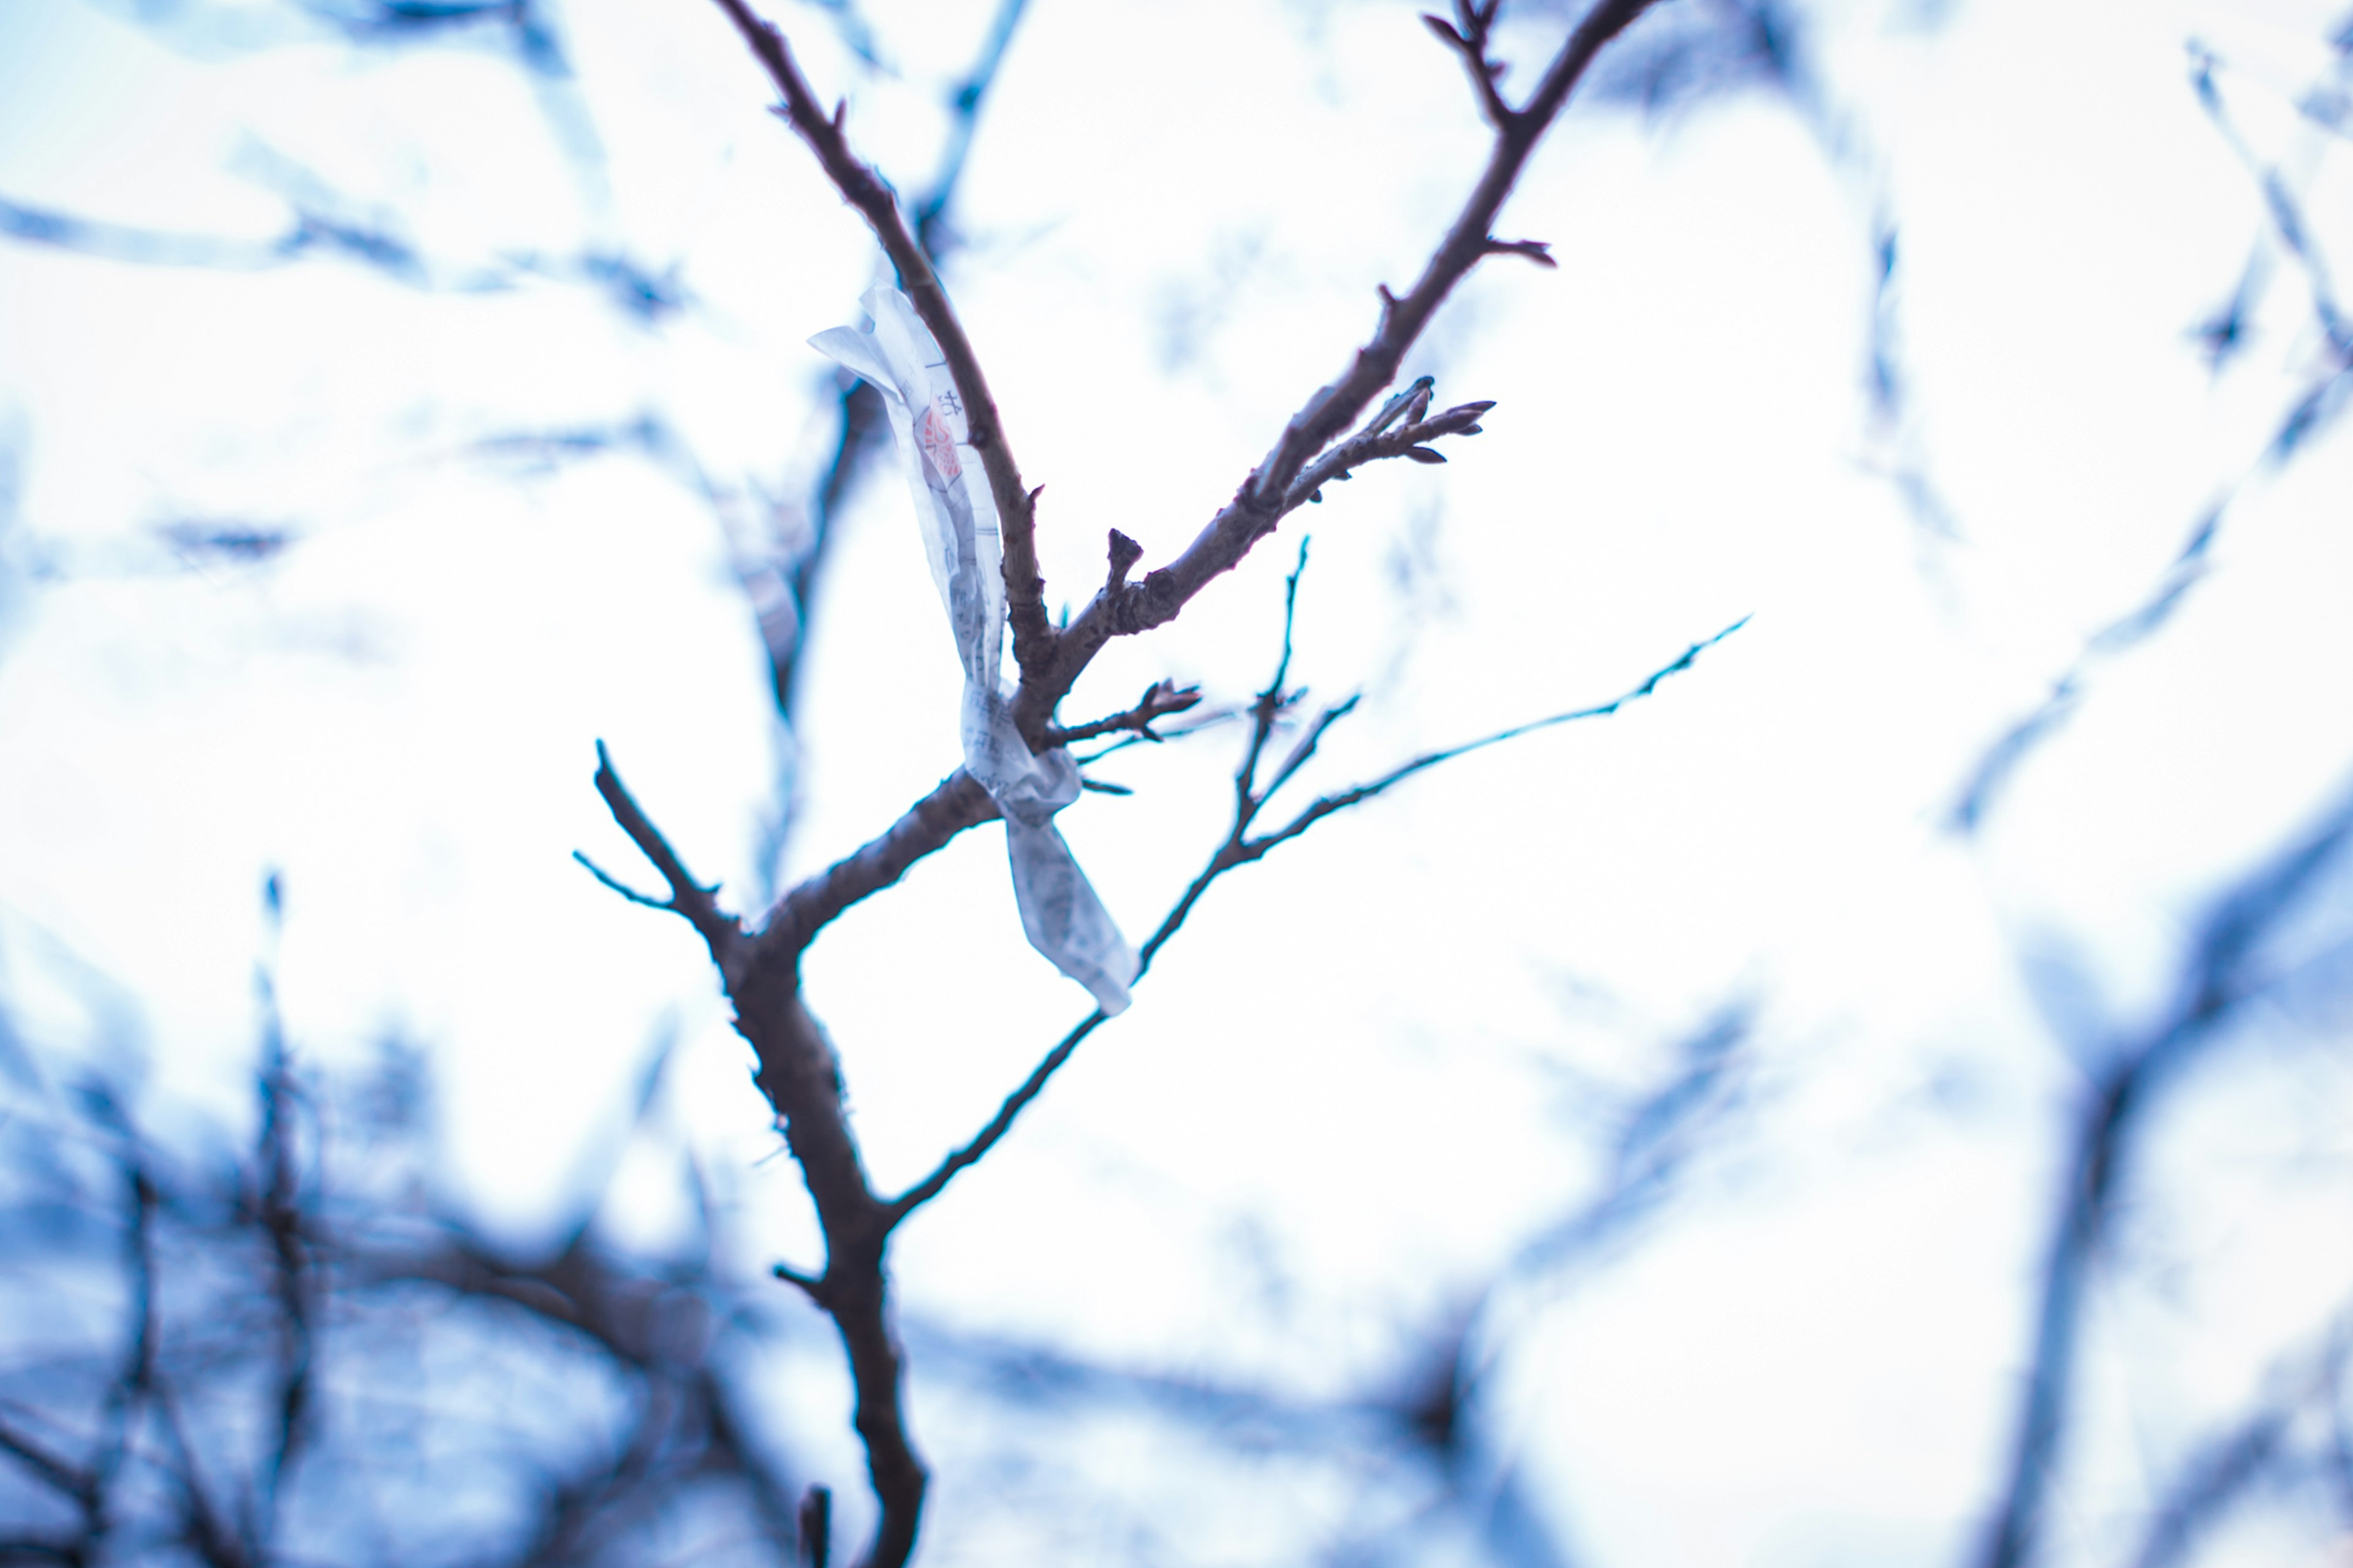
[1061, 914]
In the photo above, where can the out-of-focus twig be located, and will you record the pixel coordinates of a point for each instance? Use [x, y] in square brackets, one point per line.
[2225, 970]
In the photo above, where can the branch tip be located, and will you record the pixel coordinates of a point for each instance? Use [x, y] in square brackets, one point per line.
[617, 885]
[1536, 250]
[1124, 554]
[1161, 700]
[809, 1284]
[689, 899]
[815, 1524]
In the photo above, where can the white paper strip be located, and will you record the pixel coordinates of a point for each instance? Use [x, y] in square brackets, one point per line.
[1059, 912]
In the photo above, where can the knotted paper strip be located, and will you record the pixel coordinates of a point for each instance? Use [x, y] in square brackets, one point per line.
[1059, 912]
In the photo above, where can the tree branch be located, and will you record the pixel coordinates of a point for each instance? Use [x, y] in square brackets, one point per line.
[1326, 805]
[798, 1071]
[1160, 700]
[1123, 606]
[957, 804]
[1025, 589]
[1378, 441]
[688, 898]
[2223, 973]
[278, 1212]
[1241, 849]
[801, 1077]
[1467, 35]
[59, 1474]
[1269, 492]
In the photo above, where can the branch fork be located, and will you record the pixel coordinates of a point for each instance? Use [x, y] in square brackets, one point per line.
[1468, 35]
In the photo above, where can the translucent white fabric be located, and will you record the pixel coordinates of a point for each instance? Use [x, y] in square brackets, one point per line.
[1060, 911]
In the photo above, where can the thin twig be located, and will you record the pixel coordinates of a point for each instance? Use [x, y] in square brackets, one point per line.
[617, 885]
[133, 1385]
[204, 1529]
[688, 898]
[1160, 700]
[280, 1213]
[964, 110]
[1327, 804]
[1241, 849]
[2257, 1447]
[1269, 491]
[1208, 720]
[1383, 439]
[2323, 399]
[2222, 974]
[59, 1473]
[1271, 702]
[1467, 35]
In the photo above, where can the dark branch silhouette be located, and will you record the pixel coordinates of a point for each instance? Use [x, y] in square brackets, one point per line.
[798, 1071]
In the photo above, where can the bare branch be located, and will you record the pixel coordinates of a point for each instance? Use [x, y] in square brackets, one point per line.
[1271, 702]
[1033, 635]
[1160, 700]
[2280, 203]
[133, 1385]
[1001, 1123]
[614, 883]
[809, 1284]
[1378, 442]
[1327, 804]
[2222, 973]
[1409, 406]
[278, 1212]
[1467, 35]
[798, 1071]
[957, 804]
[1124, 554]
[1124, 607]
[1241, 849]
[2254, 1449]
[58, 1473]
[1536, 250]
[816, 1520]
[205, 1530]
[1305, 746]
[688, 898]
[964, 105]
[2323, 399]
[1270, 491]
